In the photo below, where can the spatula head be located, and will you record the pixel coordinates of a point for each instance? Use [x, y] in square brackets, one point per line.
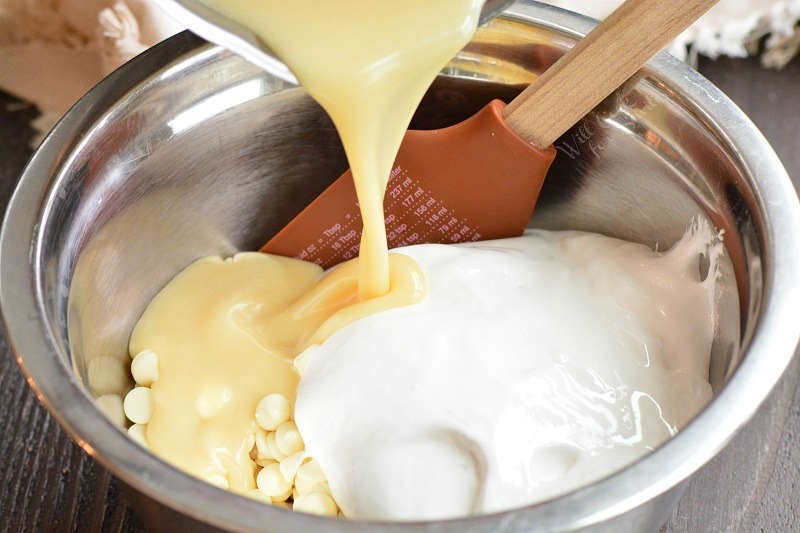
[476, 180]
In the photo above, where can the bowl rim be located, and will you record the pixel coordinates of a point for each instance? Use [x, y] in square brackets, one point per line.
[37, 351]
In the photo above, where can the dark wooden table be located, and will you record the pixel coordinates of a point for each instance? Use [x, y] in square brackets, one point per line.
[48, 483]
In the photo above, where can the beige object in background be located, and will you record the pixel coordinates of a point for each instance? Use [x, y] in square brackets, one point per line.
[731, 28]
[53, 51]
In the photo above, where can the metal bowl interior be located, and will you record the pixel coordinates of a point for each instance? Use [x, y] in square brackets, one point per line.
[189, 151]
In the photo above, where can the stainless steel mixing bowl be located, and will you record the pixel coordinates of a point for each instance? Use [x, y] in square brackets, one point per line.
[188, 151]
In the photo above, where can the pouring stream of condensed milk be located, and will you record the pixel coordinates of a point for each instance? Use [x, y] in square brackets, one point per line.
[239, 323]
[368, 64]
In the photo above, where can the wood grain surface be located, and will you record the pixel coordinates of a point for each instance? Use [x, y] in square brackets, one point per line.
[47, 483]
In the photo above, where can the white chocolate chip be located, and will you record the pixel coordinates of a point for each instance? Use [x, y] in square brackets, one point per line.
[274, 451]
[300, 362]
[138, 405]
[288, 439]
[306, 488]
[144, 368]
[218, 480]
[256, 494]
[322, 487]
[271, 482]
[111, 406]
[290, 465]
[262, 449]
[249, 441]
[265, 461]
[316, 503]
[312, 470]
[308, 477]
[280, 498]
[136, 432]
[211, 400]
[272, 411]
[107, 375]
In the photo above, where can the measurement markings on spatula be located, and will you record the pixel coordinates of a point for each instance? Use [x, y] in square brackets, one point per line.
[413, 216]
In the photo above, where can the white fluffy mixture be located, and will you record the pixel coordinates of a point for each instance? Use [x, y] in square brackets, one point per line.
[534, 366]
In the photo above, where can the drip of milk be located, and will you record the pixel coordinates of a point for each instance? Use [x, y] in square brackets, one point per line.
[534, 365]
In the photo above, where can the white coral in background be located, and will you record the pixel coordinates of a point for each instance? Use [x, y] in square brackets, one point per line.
[53, 51]
[730, 28]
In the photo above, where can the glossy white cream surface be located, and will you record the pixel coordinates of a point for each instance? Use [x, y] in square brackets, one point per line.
[534, 365]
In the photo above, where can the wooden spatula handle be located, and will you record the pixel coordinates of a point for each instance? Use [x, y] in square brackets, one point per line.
[597, 65]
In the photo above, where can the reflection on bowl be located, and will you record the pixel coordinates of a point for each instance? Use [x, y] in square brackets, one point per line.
[189, 151]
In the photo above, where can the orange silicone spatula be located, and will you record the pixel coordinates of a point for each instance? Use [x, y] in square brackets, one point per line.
[480, 179]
